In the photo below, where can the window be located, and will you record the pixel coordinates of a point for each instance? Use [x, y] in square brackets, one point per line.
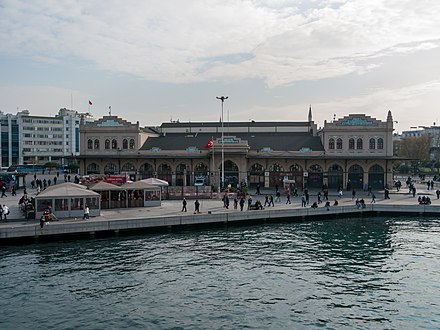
[125, 144]
[331, 144]
[96, 144]
[380, 143]
[359, 144]
[372, 143]
[89, 144]
[114, 144]
[351, 144]
[107, 144]
[339, 143]
[131, 143]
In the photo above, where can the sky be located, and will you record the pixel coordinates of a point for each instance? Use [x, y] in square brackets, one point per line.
[154, 61]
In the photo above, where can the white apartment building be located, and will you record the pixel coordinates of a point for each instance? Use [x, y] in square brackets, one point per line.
[40, 139]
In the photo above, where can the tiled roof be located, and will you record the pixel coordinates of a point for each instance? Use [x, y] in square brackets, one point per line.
[257, 141]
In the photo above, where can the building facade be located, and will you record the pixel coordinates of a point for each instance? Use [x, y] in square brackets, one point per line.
[354, 151]
[27, 139]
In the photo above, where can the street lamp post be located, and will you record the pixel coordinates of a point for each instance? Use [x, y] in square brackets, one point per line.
[222, 180]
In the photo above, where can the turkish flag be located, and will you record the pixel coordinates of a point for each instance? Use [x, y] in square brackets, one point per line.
[210, 144]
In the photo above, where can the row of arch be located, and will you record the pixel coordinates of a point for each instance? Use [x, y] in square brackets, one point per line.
[355, 144]
[113, 144]
[256, 173]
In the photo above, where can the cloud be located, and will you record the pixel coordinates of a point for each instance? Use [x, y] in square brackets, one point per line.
[278, 41]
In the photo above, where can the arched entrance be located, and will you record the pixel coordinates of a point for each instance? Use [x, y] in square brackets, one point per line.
[355, 177]
[276, 175]
[231, 173]
[146, 171]
[164, 172]
[201, 174]
[296, 174]
[315, 176]
[256, 175]
[110, 168]
[376, 176]
[182, 175]
[92, 169]
[335, 176]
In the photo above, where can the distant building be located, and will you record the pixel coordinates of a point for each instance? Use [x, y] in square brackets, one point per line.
[354, 151]
[28, 139]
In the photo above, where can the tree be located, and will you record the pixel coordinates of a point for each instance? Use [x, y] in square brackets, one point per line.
[416, 149]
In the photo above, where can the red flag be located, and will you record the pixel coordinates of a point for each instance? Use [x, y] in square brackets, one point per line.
[210, 144]
[90, 102]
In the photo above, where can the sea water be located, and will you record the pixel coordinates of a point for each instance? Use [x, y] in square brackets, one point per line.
[356, 273]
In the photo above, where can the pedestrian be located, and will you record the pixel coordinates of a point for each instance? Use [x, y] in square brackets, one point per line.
[437, 192]
[303, 200]
[414, 191]
[373, 197]
[319, 197]
[340, 193]
[387, 194]
[249, 202]
[1, 213]
[432, 184]
[241, 204]
[429, 184]
[54, 180]
[3, 191]
[235, 203]
[266, 201]
[226, 201]
[271, 201]
[184, 205]
[258, 189]
[353, 194]
[13, 191]
[86, 213]
[327, 205]
[288, 198]
[5, 211]
[278, 197]
[196, 206]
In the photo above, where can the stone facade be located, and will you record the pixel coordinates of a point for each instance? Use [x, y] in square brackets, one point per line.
[354, 151]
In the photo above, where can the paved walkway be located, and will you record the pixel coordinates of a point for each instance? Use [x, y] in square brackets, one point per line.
[173, 207]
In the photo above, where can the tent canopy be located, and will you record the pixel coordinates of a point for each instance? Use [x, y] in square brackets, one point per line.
[139, 185]
[67, 189]
[105, 186]
[156, 182]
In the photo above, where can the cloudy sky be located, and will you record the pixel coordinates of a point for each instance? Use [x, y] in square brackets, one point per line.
[157, 60]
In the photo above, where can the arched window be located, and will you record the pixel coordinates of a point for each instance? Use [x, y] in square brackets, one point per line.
[339, 143]
[331, 144]
[107, 144]
[351, 144]
[89, 144]
[131, 143]
[96, 144]
[92, 169]
[114, 144]
[315, 168]
[359, 144]
[128, 167]
[110, 168]
[295, 168]
[372, 143]
[125, 144]
[379, 143]
[276, 168]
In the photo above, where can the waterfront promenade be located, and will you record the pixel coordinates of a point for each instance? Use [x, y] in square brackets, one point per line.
[212, 211]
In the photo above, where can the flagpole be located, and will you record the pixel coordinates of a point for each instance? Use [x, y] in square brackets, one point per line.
[223, 98]
[213, 153]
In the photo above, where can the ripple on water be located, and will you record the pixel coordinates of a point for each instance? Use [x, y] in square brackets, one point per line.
[344, 273]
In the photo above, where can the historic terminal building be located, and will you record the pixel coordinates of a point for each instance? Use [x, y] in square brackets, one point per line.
[355, 150]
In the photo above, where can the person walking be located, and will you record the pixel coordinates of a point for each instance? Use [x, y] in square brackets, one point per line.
[3, 191]
[373, 197]
[184, 205]
[303, 200]
[196, 206]
[288, 198]
[241, 204]
[319, 197]
[5, 211]
[86, 213]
